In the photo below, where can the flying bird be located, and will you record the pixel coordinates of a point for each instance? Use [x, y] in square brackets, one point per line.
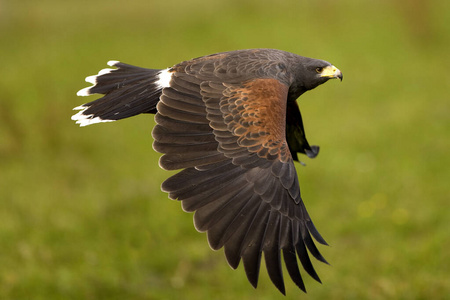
[230, 122]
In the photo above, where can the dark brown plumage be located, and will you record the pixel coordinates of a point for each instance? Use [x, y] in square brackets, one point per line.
[230, 122]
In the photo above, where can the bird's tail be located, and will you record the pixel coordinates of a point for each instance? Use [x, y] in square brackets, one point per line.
[127, 90]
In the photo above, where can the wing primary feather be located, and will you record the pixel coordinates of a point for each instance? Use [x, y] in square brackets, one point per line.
[315, 233]
[191, 176]
[234, 236]
[251, 253]
[312, 247]
[285, 232]
[196, 201]
[290, 261]
[271, 251]
[212, 213]
[289, 254]
[206, 184]
[222, 219]
[306, 262]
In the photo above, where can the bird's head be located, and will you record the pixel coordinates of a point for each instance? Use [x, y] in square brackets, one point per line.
[329, 72]
[311, 73]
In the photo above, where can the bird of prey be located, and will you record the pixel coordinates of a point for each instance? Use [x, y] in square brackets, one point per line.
[230, 122]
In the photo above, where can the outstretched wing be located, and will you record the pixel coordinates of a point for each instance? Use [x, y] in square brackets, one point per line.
[238, 173]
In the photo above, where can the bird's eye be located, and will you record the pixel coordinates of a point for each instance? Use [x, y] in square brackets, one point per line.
[319, 70]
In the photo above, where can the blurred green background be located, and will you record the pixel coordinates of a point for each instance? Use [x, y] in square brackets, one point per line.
[82, 215]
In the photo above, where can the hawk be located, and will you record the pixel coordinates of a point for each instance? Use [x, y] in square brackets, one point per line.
[230, 122]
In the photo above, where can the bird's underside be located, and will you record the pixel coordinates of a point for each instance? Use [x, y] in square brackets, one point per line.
[230, 123]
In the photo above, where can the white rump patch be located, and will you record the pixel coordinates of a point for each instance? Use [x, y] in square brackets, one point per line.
[85, 120]
[164, 78]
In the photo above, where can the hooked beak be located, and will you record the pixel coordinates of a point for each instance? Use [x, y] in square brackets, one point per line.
[331, 72]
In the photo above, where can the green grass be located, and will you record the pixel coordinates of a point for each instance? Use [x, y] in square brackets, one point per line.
[82, 215]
